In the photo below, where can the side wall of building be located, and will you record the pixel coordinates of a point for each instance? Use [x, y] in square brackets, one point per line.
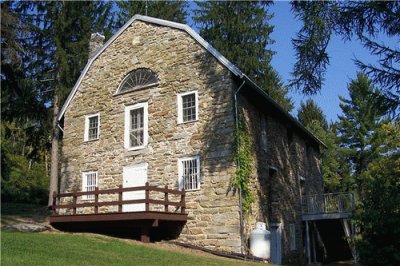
[282, 159]
[182, 66]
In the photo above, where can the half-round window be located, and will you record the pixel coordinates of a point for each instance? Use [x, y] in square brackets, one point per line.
[138, 79]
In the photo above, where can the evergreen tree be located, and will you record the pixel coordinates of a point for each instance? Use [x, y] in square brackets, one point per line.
[310, 111]
[168, 10]
[55, 43]
[241, 32]
[357, 127]
[363, 20]
[379, 214]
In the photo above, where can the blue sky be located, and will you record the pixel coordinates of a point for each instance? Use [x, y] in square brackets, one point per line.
[340, 71]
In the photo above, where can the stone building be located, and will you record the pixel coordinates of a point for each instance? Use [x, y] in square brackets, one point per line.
[156, 103]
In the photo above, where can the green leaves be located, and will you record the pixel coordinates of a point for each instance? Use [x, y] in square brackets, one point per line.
[362, 20]
[243, 155]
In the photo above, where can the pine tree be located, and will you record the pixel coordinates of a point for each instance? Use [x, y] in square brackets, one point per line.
[310, 111]
[363, 20]
[168, 10]
[240, 31]
[56, 50]
[357, 127]
[379, 215]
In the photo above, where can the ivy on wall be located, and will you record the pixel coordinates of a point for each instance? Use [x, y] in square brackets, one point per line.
[244, 159]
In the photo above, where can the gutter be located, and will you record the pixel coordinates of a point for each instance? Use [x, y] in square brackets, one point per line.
[238, 165]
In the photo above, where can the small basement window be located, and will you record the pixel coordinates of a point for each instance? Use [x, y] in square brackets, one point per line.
[89, 183]
[189, 173]
[137, 79]
[188, 107]
[92, 127]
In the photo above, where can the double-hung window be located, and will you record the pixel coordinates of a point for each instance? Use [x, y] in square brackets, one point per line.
[189, 173]
[92, 127]
[136, 126]
[188, 107]
[89, 183]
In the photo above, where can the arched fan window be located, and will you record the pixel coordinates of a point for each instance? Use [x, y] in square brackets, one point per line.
[138, 79]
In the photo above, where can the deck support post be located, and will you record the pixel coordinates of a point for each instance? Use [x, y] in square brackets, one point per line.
[308, 243]
[145, 234]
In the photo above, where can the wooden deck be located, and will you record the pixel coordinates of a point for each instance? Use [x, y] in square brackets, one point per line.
[74, 214]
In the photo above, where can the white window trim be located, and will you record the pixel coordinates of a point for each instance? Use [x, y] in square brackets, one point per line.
[86, 133]
[292, 235]
[128, 110]
[179, 104]
[180, 172]
[84, 181]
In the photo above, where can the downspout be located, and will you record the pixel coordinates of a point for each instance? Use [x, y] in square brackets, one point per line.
[238, 165]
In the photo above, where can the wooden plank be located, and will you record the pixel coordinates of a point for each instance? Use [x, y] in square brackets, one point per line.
[124, 216]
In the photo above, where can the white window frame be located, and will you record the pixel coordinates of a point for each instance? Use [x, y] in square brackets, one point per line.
[86, 133]
[180, 106]
[180, 172]
[84, 184]
[128, 110]
[292, 235]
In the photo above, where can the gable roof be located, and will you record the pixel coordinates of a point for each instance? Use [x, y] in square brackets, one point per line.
[235, 70]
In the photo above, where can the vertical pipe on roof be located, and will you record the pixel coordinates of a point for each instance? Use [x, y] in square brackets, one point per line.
[238, 165]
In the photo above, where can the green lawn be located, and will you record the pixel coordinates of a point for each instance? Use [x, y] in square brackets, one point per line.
[64, 249]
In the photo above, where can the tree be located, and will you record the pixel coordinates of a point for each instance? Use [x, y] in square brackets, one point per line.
[363, 20]
[379, 215]
[168, 10]
[56, 50]
[357, 127]
[310, 111]
[241, 32]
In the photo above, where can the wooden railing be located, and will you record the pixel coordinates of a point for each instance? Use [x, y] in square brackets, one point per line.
[328, 203]
[120, 202]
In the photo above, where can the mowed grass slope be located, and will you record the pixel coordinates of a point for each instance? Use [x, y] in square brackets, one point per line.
[64, 249]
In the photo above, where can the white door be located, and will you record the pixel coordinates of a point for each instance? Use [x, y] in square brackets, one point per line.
[276, 247]
[134, 176]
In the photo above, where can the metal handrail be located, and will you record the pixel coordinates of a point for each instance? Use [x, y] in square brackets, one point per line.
[339, 202]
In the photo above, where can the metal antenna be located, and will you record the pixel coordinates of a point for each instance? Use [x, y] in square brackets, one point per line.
[146, 8]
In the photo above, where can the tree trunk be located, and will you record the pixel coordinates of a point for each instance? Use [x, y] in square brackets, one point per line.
[54, 151]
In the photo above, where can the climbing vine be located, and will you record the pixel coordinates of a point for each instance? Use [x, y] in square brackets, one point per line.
[243, 157]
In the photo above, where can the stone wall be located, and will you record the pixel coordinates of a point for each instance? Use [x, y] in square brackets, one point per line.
[280, 159]
[182, 65]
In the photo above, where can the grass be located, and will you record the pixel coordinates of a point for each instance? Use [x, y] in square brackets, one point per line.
[66, 249]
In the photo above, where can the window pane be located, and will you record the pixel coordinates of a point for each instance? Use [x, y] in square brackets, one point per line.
[136, 132]
[190, 174]
[93, 127]
[91, 183]
[189, 107]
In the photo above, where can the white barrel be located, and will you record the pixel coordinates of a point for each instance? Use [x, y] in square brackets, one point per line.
[260, 242]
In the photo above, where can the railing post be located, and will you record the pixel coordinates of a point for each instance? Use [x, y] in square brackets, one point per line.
[74, 198]
[147, 196]
[166, 199]
[120, 198]
[54, 202]
[96, 200]
[183, 206]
